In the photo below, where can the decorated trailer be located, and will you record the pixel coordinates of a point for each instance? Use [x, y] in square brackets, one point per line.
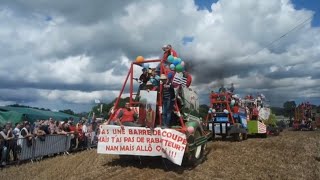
[304, 119]
[257, 114]
[182, 140]
[226, 117]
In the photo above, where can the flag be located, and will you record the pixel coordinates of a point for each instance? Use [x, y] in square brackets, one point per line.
[179, 79]
[97, 101]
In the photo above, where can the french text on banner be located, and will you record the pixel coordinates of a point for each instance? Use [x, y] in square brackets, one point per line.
[139, 141]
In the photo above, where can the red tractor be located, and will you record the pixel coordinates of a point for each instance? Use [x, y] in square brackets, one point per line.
[226, 117]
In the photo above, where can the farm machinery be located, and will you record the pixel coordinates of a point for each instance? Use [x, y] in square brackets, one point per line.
[258, 116]
[304, 119]
[226, 117]
[185, 135]
[239, 118]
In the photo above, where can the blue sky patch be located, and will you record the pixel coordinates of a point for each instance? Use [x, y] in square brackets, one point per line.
[187, 39]
[313, 5]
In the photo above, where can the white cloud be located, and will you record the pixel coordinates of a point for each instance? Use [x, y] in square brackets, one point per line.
[84, 53]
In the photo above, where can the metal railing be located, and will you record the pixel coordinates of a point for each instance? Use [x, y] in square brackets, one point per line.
[44, 146]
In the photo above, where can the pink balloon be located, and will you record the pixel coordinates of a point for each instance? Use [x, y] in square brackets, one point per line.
[182, 63]
[190, 129]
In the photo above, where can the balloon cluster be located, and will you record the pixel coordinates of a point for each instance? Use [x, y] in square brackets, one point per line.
[176, 63]
[211, 110]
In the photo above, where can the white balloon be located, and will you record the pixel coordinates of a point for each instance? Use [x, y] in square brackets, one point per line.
[226, 111]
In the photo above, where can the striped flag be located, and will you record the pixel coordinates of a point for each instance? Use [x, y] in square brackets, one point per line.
[179, 80]
[262, 128]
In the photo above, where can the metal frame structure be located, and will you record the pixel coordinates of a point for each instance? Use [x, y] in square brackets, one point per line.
[231, 121]
[159, 97]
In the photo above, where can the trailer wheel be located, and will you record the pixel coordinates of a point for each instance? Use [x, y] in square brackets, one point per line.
[224, 137]
[265, 135]
[194, 157]
[237, 137]
[277, 132]
[245, 136]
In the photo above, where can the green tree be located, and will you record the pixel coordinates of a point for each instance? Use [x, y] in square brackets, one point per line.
[67, 111]
[272, 120]
[289, 109]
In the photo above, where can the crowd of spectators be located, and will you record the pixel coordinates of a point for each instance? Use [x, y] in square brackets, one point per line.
[83, 135]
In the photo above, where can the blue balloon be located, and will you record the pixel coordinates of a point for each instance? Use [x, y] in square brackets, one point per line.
[179, 60]
[170, 58]
[176, 61]
[172, 66]
[170, 75]
[157, 77]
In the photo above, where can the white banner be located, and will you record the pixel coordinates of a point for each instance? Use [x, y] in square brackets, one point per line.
[141, 141]
[264, 114]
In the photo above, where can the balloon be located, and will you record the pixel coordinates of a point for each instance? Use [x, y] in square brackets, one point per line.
[170, 59]
[179, 68]
[177, 61]
[172, 66]
[182, 63]
[146, 65]
[213, 110]
[226, 111]
[170, 75]
[210, 109]
[139, 59]
[190, 129]
[232, 102]
[209, 112]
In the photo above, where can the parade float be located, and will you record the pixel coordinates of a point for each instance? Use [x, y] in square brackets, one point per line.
[183, 141]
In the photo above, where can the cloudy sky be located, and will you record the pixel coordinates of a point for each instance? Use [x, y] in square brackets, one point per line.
[65, 54]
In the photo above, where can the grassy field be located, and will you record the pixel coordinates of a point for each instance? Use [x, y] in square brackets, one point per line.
[292, 155]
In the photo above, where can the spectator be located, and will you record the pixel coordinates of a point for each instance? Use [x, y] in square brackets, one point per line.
[60, 128]
[3, 149]
[8, 137]
[222, 89]
[16, 131]
[127, 116]
[39, 131]
[52, 127]
[25, 133]
[231, 89]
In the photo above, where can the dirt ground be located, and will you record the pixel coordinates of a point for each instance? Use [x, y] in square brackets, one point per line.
[292, 155]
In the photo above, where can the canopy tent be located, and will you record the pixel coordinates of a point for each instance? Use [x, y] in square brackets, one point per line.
[11, 116]
[17, 114]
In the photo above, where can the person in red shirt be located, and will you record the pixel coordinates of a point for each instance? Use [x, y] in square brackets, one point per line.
[168, 50]
[235, 108]
[172, 51]
[127, 117]
[166, 53]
